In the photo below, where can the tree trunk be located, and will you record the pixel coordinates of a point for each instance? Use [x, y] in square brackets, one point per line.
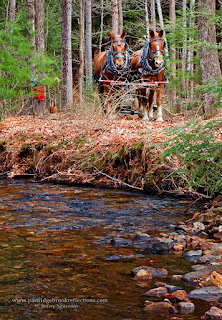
[153, 15]
[209, 61]
[115, 17]
[190, 51]
[39, 25]
[81, 46]
[147, 20]
[12, 11]
[101, 26]
[67, 95]
[160, 14]
[120, 16]
[184, 49]
[40, 45]
[88, 55]
[31, 18]
[173, 51]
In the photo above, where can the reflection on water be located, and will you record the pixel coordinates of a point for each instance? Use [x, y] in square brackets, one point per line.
[55, 245]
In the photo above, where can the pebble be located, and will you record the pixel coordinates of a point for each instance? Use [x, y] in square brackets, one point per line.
[213, 314]
[156, 292]
[121, 242]
[178, 247]
[160, 307]
[210, 293]
[193, 254]
[143, 275]
[178, 295]
[171, 288]
[155, 272]
[186, 307]
[177, 277]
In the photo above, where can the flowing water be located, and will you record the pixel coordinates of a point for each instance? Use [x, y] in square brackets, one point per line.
[56, 257]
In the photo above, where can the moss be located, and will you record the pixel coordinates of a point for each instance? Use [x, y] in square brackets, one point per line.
[63, 143]
[80, 141]
[137, 148]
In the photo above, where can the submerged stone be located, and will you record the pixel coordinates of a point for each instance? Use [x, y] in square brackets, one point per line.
[160, 307]
[155, 272]
[121, 242]
[210, 293]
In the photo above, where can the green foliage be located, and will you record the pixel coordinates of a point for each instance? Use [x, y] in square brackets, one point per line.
[200, 155]
[20, 65]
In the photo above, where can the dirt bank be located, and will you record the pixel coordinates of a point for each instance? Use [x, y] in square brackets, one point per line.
[90, 150]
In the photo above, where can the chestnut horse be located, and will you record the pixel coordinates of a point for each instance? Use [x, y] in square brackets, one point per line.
[149, 66]
[113, 64]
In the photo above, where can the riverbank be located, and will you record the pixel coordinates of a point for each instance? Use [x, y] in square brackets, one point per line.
[83, 149]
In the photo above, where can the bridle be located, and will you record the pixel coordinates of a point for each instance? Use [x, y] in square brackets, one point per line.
[116, 53]
[145, 67]
[152, 52]
[112, 55]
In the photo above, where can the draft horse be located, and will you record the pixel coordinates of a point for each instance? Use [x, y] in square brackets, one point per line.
[148, 65]
[113, 64]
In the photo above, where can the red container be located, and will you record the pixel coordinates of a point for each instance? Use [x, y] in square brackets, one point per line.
[39, 92]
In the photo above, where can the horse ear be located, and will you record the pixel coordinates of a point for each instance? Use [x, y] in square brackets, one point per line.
[111, 35]
[161, 33]
[123, 34]
[152, 34]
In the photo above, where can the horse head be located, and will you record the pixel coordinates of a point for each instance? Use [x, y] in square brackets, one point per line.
[119, 49]
[156, 48]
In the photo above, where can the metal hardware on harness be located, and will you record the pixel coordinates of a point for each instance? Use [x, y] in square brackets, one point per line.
[109, 64]
[146, 69]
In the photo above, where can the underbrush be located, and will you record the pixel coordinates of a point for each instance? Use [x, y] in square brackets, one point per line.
[196, 151]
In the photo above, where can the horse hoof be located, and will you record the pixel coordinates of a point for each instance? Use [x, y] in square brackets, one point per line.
[159, 119]
[145, 119]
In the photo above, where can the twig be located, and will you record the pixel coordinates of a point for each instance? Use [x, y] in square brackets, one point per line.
[186, 192]
[190, 206]
[4, 173]
[117, 180]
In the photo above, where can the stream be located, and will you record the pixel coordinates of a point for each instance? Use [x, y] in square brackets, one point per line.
[56, 256]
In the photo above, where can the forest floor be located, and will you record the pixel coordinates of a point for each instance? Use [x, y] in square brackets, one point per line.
[88, 149]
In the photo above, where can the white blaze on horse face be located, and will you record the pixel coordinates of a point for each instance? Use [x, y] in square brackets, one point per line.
[158, 60]
[119, 49]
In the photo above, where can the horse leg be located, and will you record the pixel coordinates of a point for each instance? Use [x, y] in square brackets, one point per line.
[142, 113]
[151, 101]
[159, 102]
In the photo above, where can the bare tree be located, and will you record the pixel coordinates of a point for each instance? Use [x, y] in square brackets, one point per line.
[115, 16]
[190, 51]
[39, 25]
[172, 14]
[40, 107]
[88, 55]
[147, 19]
[12, 11]
[209, 61]
[31, 18]
[153, 15]
[120, 16]
[184, 49]
[67, 95]
[81, 48]
[160, 14]
[101, 25]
